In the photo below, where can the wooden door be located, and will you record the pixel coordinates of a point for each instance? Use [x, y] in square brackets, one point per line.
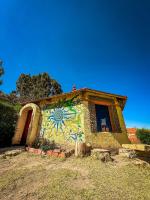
[26, 128]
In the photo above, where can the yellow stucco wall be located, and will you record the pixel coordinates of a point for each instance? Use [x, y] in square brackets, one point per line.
[104, 139]
[63, 124]
[107, 139]
[75, 124]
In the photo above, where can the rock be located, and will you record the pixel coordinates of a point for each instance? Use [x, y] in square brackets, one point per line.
[2, 156]
[127, 153]
[114, 151]
[13, 152]
[141, 163]
[101, 154]
[106, 157]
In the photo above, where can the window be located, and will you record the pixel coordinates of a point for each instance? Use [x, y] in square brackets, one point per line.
[103, 118]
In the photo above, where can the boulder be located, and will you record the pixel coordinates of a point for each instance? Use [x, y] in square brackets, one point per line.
[102, 155]
[129, 153]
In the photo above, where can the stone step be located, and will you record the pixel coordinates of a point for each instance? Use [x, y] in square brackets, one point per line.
[138, 147]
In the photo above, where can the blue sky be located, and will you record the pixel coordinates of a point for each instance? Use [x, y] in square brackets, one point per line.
[103, 45]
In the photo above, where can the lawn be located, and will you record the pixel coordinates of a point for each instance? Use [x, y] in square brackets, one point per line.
[33, 177]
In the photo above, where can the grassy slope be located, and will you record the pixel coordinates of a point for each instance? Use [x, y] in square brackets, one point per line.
[27, 176]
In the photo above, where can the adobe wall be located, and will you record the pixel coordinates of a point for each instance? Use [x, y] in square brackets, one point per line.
[99, 139]
[63, 122]
[69, 120]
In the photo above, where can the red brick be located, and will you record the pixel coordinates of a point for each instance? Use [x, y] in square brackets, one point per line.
[61, 155]
[49, 152]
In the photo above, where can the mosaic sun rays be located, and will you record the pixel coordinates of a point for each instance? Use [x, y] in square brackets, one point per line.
[58, 117]
[63, 122]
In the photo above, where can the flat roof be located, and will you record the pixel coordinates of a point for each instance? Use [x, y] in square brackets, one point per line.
[124, 98]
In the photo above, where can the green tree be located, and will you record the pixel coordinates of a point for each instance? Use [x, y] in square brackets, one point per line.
[8, 119]
[144, 135]
[1, 70]
[24, 86]
[37, 86]
[13, 97]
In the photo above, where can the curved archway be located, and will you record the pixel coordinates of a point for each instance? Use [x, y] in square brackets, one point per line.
[27, 125]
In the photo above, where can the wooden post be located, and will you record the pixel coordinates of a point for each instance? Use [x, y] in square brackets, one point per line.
[80, 149]
[76, 149]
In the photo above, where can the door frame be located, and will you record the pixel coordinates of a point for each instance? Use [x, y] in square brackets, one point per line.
[34, 124]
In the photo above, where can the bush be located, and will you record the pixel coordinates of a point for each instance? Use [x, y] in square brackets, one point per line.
[8, 118]
[144, 135]
[44, 144]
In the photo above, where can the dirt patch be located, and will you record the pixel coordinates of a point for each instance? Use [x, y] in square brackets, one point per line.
[28, 177]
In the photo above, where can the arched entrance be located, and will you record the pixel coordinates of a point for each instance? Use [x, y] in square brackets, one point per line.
[27, 125]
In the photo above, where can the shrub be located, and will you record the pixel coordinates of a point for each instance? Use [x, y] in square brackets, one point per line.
[8, 118]
[47, 145]
[36, 143]
[46, 148]
[144, 135]
[44, 144]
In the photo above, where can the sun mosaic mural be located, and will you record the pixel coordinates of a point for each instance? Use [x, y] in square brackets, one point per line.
[63, 123]
[58, 116]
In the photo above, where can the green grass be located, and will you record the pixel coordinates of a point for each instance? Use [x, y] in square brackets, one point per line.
[38, 177]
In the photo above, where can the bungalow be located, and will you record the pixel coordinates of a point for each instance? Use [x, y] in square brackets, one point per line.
[82, 115]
